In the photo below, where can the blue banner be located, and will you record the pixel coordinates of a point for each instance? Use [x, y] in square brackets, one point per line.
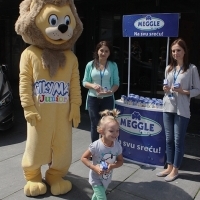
[151, 25]
[142, 134]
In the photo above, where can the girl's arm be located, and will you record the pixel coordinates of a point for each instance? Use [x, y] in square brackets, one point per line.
[85, 159]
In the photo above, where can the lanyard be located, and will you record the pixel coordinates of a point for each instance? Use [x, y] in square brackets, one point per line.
[175, 76]
[102, 73]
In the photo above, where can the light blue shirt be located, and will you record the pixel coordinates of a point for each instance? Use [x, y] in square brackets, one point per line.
[112, 71]
[101, 78]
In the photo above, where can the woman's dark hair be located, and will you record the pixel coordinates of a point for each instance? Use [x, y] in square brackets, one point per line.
[173, 62]
[99, 45]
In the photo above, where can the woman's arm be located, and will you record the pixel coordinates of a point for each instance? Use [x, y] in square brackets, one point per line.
[87, 80]
[87, 74]
[181, 91]
[195, 91]
[115, 84]
[94, 86]
[114, 88]
[166, 88]
[115, 75]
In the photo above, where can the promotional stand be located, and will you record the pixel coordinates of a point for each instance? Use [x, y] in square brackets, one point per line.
[142, 133]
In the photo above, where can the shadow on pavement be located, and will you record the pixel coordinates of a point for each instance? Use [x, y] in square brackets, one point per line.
[190, 177]
[192, 143]
[154, 190]
[17, 133]
[191, 164]
[81, 189]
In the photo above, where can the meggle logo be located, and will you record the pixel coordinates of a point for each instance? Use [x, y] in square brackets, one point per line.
[149, 23]
[136, 124]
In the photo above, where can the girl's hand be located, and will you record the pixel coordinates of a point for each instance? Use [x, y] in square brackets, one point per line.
[109, 168]
[98, 170]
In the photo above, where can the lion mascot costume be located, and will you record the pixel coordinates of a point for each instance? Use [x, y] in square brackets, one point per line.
[49, 91]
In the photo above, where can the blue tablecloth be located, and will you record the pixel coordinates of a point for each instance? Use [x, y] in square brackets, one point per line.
[142, 134]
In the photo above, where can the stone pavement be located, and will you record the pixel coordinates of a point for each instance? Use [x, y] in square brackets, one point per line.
[130, 182]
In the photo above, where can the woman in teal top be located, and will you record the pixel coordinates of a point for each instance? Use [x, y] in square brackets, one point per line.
[102, 80]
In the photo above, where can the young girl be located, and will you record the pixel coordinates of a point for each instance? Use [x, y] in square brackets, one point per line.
[106, 149]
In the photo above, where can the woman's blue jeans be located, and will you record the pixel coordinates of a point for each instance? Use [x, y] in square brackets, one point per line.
[96, 105]
[175, 130]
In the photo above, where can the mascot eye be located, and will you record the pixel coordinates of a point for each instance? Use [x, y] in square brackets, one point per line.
[53, 20]
[67, 20]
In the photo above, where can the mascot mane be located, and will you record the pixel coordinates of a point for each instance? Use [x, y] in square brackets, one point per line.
[26, 27]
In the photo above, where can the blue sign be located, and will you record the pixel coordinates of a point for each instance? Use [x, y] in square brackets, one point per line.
[151, 25]
[142, 135]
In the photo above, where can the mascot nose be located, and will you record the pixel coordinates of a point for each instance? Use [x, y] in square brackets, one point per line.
[62, 28]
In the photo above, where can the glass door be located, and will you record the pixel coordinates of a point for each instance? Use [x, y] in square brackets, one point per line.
[147, 67]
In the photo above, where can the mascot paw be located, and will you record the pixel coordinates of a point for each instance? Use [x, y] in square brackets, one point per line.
[34, 188]
[58, 185]
[61, 187]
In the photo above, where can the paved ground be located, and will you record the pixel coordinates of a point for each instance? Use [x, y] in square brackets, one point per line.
[131, 181]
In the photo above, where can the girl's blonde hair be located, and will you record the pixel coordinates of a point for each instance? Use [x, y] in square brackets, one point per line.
[107, 116]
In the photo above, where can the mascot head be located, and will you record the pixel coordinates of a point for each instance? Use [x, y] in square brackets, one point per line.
[49, 24]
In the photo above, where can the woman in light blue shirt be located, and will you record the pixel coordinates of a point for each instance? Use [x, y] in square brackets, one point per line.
[102, 80]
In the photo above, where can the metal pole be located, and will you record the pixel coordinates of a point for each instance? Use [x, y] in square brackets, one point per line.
[129, 65]
[167, 54]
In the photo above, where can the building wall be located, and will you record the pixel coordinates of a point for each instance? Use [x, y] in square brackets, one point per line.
[102, 19]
